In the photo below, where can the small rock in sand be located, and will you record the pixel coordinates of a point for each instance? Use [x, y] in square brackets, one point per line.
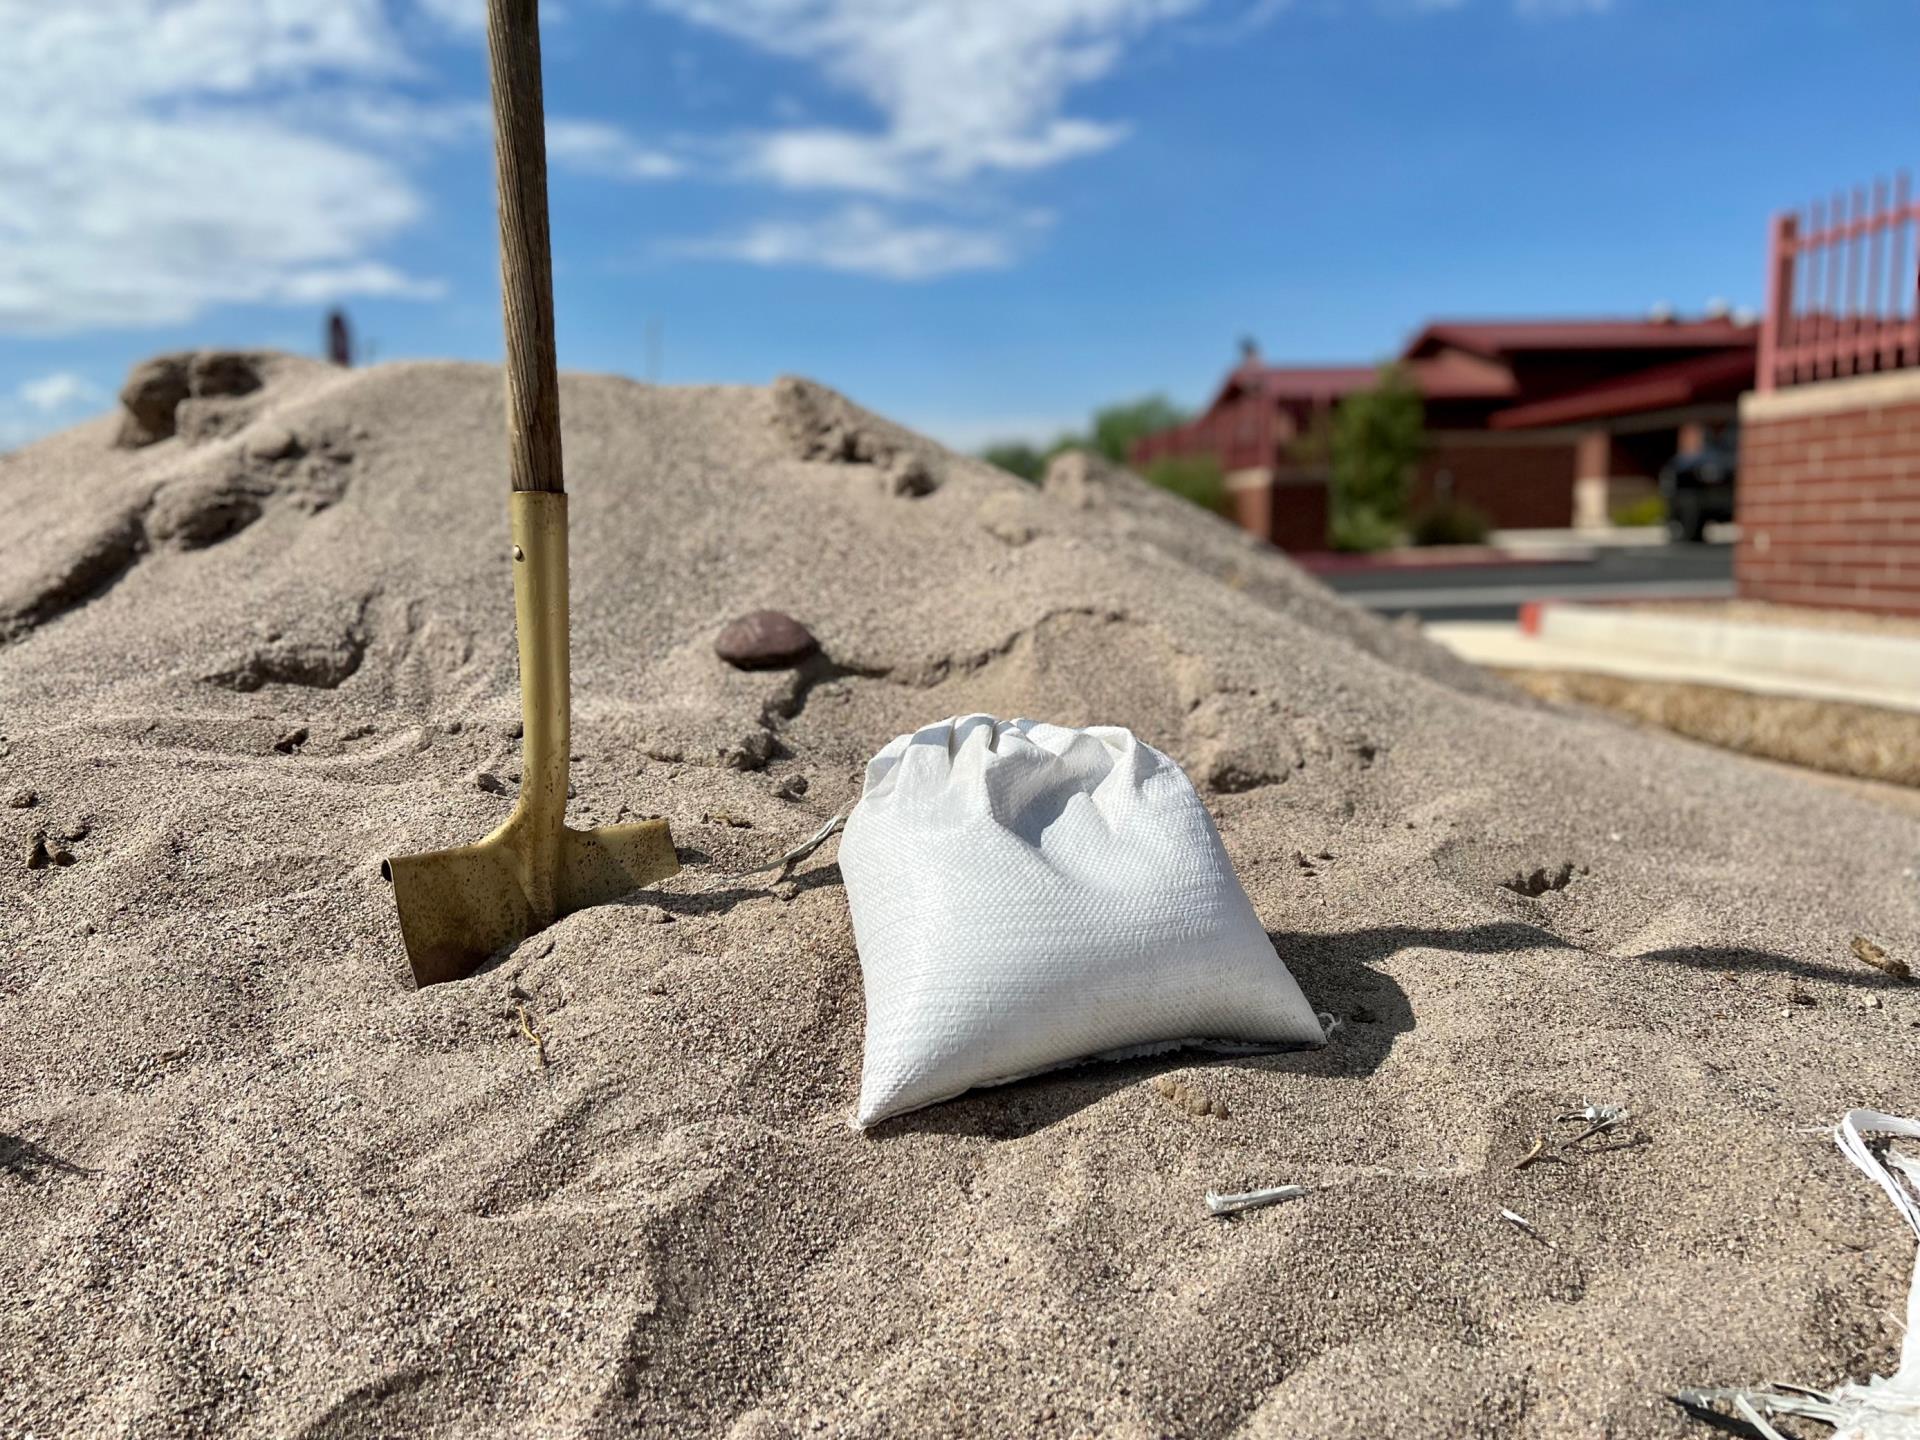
[27, 799]
[272, 442]
[652, 915]
[751, 751]
[291, 741]
[908, 476]
[765, 640]
[490, 783]
[791, 788]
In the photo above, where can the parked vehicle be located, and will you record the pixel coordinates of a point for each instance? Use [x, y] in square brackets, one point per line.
[1698, 488]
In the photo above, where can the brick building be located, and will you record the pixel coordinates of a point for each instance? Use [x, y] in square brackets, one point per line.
[1829, 494]
[1538, 423]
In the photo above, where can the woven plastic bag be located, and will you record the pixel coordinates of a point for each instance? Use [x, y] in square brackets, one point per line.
[1026, 895]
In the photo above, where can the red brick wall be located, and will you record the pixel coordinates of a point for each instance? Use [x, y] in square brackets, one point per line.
[1299, 520]
[1519, 486]
[1828, 500]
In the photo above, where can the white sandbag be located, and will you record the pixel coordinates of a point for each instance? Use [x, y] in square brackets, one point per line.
[1886, 1407]
[1026, 895]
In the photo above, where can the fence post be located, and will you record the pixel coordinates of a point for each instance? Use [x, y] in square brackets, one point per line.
[1779, 317]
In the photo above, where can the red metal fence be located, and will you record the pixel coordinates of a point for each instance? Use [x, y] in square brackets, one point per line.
[1843, 288]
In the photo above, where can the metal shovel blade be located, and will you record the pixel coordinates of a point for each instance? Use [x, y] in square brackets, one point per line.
[460, 906]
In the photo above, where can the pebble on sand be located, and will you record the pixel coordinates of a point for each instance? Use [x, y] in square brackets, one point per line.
[272, 442]
[765, 640]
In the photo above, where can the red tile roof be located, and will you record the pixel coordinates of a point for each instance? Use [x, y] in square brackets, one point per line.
[1456, 375]
[1718, 375]
[1508, 337]
[1451, 376]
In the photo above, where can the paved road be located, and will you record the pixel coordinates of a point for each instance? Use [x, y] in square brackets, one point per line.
[1496, 592]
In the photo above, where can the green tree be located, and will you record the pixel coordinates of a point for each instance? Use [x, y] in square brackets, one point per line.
[1114, 431]
[1191, 477]
[1116, 427]
[1378, 436]
[1017, 458]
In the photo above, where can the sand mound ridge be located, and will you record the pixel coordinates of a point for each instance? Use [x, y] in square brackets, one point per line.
[252, 1183]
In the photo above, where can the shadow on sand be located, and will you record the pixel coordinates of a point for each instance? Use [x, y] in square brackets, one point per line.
[23, 1159]
[1336, 971]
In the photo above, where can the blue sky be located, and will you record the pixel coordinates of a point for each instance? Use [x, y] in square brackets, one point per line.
[983, 217]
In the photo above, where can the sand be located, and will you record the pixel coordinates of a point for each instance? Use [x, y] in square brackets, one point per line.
[251, 1183]
[1867, 742]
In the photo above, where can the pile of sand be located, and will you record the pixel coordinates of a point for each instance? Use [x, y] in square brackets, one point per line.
[254, 1183]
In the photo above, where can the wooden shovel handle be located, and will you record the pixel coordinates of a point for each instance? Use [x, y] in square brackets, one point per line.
[526, 263]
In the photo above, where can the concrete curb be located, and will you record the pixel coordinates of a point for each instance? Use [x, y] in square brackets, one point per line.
[1879, 664]
[1499, 645]
[1434, 557]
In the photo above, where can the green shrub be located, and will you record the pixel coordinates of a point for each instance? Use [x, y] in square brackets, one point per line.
[1017, 458]
[1451, 522]
[1647, 510]
[1192, 477]
[1377, 438]
[1117, 428]
[1355, 528]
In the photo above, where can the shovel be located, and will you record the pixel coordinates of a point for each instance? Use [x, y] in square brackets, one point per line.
[460, 906]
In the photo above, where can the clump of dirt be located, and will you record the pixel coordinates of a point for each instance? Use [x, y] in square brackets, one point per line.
[1541, 881]
[199, 512]
[821, 425]
[155, 390]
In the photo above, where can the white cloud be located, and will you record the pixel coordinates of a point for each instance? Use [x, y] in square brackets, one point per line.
[60, 391]
[464, 17]
[162, 157]
[960, 89]
[600, 149]
[961, 92]
[863, 240]
[46, 403]
[150, 172]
